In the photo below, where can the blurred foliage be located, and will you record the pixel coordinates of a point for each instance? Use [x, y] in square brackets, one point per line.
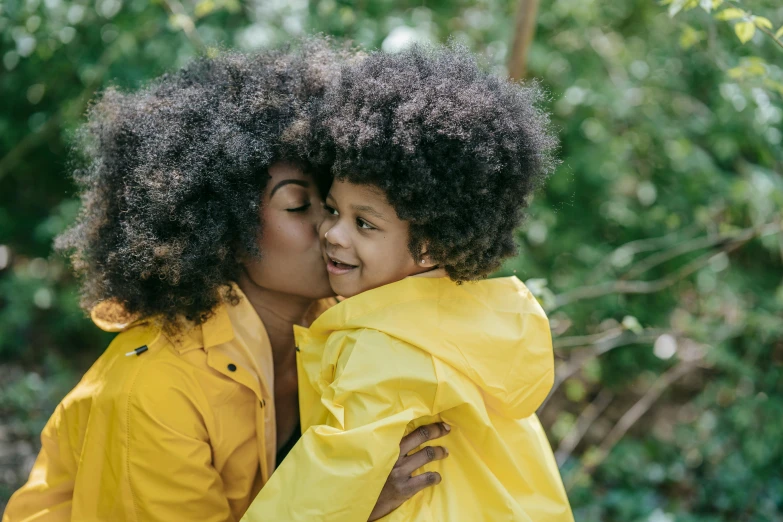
[656, 247]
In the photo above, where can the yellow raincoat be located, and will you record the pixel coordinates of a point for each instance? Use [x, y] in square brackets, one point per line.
[184, 431]
[477, 356]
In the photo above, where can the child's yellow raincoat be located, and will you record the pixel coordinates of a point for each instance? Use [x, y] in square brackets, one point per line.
[477, 356]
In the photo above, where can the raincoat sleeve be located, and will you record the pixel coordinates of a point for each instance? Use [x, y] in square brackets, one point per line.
[338, 468]
[46, 497]
[158, 469]
[169, 459]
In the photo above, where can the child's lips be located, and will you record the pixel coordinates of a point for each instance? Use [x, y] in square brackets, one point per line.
[337, 267]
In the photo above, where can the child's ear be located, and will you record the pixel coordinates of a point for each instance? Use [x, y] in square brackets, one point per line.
[424, 260]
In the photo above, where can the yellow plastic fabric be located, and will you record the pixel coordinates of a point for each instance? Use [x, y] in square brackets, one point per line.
[477, 356]
[182, 432]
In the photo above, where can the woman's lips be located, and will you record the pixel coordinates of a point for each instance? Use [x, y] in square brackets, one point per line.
[337, 268]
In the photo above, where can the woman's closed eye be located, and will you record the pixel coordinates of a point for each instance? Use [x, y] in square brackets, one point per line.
[301, 208]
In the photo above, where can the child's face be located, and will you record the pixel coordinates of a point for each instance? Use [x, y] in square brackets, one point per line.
[364, 243]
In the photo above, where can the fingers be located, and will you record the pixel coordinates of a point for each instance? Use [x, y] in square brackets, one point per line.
[425, 480]
[421, 435]
[422, 457]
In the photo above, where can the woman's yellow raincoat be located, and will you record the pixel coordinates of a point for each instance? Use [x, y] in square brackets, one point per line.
[183, 431]
[477, 356]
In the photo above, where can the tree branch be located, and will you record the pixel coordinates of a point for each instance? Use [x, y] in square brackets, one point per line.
[771, 35]
[638, 246]
[648, 287]
[176, 9]
[583, 423]
[676, 251]
[603, 342]
[763, 30]
[632, 415]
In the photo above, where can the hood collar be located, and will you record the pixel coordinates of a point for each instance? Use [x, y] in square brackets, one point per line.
[111, 316]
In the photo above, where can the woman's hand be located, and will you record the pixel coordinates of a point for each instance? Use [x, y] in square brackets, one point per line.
[400, 486]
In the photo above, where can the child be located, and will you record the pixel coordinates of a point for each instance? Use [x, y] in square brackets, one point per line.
[433, 163]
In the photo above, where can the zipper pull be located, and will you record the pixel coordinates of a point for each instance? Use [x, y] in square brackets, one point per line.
[138, 351]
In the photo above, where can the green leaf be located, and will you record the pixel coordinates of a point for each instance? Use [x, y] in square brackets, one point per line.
[762, 23]
[575, 390]
[706, 5]
[750, 67]
[756, 66]
[180, 21]
[204, 8]
[735, 73]
[732, 13]
[745, 31]
[676, 6]
[779, 34]
[632, 323]
[773, 85]
[690, 37]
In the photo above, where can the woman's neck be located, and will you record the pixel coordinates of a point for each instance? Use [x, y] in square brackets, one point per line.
[279, 312]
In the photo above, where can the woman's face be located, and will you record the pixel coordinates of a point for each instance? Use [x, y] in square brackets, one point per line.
[291, 212]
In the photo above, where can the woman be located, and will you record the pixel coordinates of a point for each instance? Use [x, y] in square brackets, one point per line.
[198, 243]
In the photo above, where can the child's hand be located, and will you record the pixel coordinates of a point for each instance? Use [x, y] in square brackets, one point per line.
[400, 486]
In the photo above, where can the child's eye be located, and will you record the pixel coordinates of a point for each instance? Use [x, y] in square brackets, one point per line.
[300, 209]
[363, 224]
[331, 211]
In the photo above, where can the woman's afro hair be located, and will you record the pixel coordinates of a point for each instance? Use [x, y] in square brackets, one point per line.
[456, 150]
[171, 177]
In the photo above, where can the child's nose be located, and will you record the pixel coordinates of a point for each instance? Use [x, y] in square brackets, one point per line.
[334, 234]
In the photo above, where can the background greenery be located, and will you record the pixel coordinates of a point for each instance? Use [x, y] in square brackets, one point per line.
[656, 247]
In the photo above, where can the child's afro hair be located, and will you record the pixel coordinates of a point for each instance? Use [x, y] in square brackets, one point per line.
[457, 150]
[171, 177]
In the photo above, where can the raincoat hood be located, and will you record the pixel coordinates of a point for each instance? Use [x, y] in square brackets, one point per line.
[493, 331]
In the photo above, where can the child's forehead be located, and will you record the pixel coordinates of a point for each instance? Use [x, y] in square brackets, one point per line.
[346, 190]
[362, 198]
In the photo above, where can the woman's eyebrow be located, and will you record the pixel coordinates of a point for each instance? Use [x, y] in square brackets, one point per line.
[300, 182]
[369, 210]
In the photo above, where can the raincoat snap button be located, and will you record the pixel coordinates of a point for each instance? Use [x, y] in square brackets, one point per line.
[263, 403]
[232, 367]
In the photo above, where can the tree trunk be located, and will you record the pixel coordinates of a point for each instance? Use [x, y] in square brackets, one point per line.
[523, 36]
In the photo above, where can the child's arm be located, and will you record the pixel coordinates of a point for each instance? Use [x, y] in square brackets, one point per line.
[337, 470]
